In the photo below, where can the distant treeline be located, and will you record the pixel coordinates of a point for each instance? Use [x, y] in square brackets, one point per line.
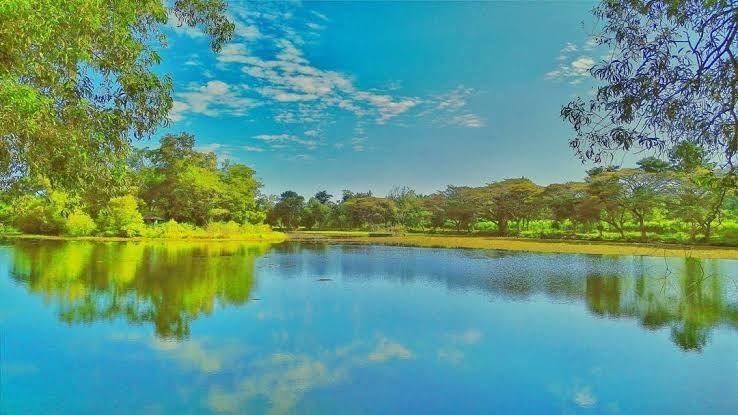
[176, 191]
[681, 199]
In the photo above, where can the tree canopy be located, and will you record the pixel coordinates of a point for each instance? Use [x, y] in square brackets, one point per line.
[77, 82]
[670, 75]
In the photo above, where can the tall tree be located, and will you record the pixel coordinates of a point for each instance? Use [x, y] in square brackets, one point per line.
[288, 210]
[508, 200]
[77, 82]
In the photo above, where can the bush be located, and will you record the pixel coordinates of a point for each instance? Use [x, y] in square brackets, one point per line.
[121, 217]
[173, 230]
[79, 223]
[34, 214]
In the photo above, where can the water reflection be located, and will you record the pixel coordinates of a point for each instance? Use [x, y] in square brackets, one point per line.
[167, 284]
[687, 295]
[170, 285]
[361, 329]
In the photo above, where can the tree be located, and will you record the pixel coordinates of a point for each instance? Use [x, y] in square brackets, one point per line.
[569, 201]
[629, 191]
[608, 195]
[702, 191]
[180, 183]
[316, 213]
[653, 165]
[288, 210]
[688, 157]
[323, 197]
[460, 205]
[510, 199]
[670, 75]
[411, 212]
[77, 83]
[369, 210]
[121, 217]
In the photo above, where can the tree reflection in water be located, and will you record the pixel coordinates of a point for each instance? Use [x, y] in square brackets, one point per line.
[170, 284]
[690, 296]
[167, 284]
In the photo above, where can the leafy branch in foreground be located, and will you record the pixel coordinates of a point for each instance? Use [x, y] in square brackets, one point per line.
[670, 76]
[77, 82]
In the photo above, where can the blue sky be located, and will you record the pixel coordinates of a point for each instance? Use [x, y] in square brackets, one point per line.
[371, 95]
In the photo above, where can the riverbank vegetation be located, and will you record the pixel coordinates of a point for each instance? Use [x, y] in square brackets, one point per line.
[170, 192]
[683, 199]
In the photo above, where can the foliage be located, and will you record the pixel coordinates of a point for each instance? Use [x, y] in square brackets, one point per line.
[77, 83]
[121, 217]
[670, 75]
[41, 213]
[79, 223]
[679, 200]
[287, 212]
[177, 182]
[511, 199]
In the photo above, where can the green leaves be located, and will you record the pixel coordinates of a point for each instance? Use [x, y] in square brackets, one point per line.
[77, 85]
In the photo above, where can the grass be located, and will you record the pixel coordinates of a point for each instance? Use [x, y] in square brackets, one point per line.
[520, 244]
[265, 237]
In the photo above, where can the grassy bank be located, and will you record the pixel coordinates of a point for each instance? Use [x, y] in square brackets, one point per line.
[271, 237]
[519, 244]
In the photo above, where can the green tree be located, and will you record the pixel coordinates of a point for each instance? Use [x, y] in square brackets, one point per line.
[323, 197]
[288, 210]
[508, 200]
[699, 198]
[77, 83]
[316, 213]
[369, 211]
[411, 211]
[121, 217]
[460, 205]
[177, 182]
[569, 201]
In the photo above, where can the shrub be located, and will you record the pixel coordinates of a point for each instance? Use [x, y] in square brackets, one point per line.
[34, 214]
[172, 230]
[121, 217]
[79, 223]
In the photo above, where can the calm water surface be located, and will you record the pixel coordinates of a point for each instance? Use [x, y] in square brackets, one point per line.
[149, 328]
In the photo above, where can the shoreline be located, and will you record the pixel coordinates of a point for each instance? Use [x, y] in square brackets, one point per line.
[443, 241]
[134, 239]
[527, 245]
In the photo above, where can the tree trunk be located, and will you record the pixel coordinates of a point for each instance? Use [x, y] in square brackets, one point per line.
[502, 227]
[707, 231]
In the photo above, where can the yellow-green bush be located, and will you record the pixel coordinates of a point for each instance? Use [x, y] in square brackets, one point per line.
[213, 230]
[79, 223]
[121, 217]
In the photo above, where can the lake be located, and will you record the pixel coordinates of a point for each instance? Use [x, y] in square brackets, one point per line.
[198, 328]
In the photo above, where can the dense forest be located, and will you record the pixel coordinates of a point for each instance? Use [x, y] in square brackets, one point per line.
[683, 199]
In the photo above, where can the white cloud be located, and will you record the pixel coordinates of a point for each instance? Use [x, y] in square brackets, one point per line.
[213, 99]
[253, 149]
[584, 398]
[320, 16]
[387, 349]
[314, 26]
[466, 120]
[573, 65]
[287, 79]
[280, 140]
